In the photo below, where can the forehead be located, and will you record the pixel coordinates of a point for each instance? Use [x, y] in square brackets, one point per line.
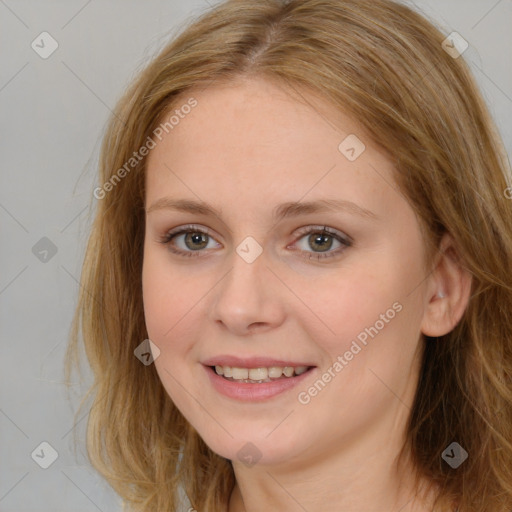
[253, 113]
[254, 139]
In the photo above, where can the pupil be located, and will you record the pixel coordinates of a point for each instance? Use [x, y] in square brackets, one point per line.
[317, 239]
[195, 238]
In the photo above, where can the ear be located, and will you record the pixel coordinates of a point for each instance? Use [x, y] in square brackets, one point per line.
[448, 291]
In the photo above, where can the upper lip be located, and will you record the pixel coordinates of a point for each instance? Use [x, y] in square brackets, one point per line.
[251, 362]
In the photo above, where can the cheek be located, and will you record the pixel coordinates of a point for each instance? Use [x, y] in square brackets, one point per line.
[167, 294]
[356, 298]
[167, 305]
[371, 312]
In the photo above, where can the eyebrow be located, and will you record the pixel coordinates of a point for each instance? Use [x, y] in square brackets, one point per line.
[282, 211]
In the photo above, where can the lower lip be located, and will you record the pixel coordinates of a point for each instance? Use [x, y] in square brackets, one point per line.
[253, 392]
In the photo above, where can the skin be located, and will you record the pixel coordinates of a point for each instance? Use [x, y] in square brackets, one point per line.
[246, 147]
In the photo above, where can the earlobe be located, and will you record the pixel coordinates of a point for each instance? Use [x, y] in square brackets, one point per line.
[448, 291]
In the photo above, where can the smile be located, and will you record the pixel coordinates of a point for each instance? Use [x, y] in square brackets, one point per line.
[255, 384]
[258, 375]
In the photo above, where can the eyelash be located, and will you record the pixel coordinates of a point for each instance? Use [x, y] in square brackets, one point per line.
[345, 241]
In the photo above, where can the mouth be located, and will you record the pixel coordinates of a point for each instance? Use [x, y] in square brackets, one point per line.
[259, 375]
[256, 383]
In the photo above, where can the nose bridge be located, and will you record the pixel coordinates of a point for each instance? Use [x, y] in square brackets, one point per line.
[248, 294]
[248, 278]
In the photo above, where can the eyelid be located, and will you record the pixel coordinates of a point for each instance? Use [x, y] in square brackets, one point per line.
[301, 231]
[185, 228]
[312, 228]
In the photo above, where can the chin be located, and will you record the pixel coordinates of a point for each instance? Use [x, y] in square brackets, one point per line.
[251, 449]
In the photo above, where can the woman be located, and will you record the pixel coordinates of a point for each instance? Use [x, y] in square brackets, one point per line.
[304, 206]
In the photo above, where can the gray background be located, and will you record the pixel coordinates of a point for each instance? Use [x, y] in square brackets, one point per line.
[53, 113]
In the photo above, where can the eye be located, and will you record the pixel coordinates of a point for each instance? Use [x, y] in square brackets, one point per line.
[322, 239]
[194, 239]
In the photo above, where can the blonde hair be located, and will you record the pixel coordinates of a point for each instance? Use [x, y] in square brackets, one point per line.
[385, 65]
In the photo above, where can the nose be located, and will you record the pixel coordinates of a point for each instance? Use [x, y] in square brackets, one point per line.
[250, 298]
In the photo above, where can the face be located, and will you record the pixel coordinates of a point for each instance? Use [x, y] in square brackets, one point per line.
[337, 287]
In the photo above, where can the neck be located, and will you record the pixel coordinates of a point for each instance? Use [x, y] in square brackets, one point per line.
[358, 480]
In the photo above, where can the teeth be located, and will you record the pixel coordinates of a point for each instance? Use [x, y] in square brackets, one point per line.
[240, 373]
[274, 372]
[288, 371]
[259, 374]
